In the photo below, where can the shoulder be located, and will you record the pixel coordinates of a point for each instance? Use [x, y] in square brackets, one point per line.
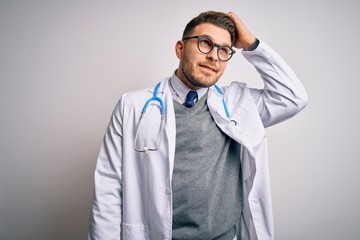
[140, 96]
[135, 94]
[235, 88]
[237, 94]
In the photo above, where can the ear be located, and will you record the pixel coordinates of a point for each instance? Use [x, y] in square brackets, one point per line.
[179, 48]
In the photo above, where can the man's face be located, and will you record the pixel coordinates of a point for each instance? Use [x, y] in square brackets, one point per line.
[197, 69]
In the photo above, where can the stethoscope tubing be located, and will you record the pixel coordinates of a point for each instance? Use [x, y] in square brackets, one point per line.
[163, 114]
[155, 98]
[223, 101]
[162, 104]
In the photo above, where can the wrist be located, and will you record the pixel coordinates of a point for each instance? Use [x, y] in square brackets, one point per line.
[246, 41]
[254, 45]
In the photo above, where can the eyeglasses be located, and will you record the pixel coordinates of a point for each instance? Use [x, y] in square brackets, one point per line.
[206, 45]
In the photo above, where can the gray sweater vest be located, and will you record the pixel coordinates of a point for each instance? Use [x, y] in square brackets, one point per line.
[207, 180]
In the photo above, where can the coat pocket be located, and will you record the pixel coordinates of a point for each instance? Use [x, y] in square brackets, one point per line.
[135, 232]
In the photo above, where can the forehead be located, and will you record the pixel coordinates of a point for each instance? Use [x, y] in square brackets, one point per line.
[217, 34]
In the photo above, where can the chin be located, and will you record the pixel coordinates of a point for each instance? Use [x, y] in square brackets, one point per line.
[208, 82]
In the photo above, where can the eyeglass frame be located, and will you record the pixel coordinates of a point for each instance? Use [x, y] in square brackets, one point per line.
[213, 45]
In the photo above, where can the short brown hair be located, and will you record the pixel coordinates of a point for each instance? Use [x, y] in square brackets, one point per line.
[218, 19]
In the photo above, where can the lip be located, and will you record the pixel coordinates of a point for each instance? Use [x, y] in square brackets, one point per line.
[208, 67]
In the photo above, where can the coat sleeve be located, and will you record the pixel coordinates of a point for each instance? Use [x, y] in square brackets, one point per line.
[105, 222]
[283, 95]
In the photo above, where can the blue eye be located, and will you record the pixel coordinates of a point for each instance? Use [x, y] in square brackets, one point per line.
[224, 50]
[206, 42]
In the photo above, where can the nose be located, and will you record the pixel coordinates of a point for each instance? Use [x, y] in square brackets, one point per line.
[212, 55]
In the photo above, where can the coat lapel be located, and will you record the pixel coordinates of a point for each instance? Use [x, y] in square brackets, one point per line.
[244, 125]
[170, 124]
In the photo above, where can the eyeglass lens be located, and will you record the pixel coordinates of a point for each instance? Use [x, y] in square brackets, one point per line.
[205, 46]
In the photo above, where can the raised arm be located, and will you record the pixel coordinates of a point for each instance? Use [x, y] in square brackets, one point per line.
[283, 94]
[244, 37]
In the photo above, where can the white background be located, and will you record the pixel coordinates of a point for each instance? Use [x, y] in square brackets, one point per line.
[64, 64]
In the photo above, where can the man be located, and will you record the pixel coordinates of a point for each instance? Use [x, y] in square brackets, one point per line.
[178, 167]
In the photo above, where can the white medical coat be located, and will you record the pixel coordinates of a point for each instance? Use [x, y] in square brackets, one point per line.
[133, 195]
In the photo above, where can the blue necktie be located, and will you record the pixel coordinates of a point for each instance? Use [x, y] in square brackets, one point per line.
[191, 99]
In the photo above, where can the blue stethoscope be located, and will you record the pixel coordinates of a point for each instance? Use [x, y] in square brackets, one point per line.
[154, 145]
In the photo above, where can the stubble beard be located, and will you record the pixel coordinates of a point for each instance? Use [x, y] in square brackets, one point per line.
[188, 73]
